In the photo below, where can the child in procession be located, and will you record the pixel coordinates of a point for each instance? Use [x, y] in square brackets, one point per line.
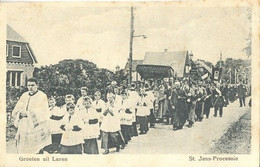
[126, 118]
[143, 111]
[110, 127]
[151, 99]
[91, 127]
[57, 114]
[99, 105]
[133, 97]
[72, 135]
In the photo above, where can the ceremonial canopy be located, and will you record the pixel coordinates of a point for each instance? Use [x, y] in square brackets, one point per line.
[155, 71]
[162, 64]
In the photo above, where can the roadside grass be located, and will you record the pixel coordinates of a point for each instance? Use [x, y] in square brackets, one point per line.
[237, 139]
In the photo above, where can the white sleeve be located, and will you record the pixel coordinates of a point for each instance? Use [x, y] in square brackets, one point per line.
[19, 105]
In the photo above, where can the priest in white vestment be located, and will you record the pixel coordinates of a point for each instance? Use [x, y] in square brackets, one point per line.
[31, 117]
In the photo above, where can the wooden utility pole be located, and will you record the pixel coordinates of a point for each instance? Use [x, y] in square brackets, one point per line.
[131, 45]
[220, 66]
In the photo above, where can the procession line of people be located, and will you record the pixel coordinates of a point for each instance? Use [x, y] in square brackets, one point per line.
[114, 121]
[74, 128]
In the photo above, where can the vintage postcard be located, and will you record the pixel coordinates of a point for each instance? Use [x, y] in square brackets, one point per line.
[130, 83]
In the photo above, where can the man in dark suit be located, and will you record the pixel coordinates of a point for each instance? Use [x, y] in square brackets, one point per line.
[218, 100]
[241, 92]
[225, 90]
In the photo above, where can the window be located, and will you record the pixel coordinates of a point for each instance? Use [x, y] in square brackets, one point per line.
[14, 78]
[7, 50]
[16, 51]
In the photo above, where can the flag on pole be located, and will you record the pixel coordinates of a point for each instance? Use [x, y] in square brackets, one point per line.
[229, 70]
[205, 76]
[228, 81]
[216, 74]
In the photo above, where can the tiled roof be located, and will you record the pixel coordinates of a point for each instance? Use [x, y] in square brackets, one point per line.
[12, 35]
[175, 59]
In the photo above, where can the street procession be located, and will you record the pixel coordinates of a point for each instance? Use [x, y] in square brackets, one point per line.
[85, 90]
[74, 126]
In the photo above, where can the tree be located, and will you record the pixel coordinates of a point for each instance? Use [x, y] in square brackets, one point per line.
[68, 76]
[248, 48]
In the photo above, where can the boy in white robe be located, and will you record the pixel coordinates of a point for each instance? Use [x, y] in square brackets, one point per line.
[99, 105]
[72, 136]
[143, 111]
[151, 99]
[110, 127]
[126, 116]
[133, 97]
[90, 129]
[57, 114]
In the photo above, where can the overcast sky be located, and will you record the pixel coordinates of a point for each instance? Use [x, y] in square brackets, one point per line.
[101, 34]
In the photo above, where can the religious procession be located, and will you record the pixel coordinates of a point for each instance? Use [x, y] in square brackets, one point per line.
[64, 125]
[81, 105]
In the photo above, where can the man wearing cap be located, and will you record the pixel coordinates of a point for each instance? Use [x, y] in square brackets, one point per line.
[31, 117]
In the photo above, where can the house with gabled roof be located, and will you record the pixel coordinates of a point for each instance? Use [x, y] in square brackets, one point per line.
[20, 59]
[163, 64]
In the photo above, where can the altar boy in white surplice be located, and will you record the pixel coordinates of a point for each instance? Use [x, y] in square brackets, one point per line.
[99, 105]
[72, 135]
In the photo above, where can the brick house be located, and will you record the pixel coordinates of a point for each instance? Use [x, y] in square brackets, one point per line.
[20, 59]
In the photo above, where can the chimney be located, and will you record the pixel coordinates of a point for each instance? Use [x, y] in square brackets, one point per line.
[165, 50]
